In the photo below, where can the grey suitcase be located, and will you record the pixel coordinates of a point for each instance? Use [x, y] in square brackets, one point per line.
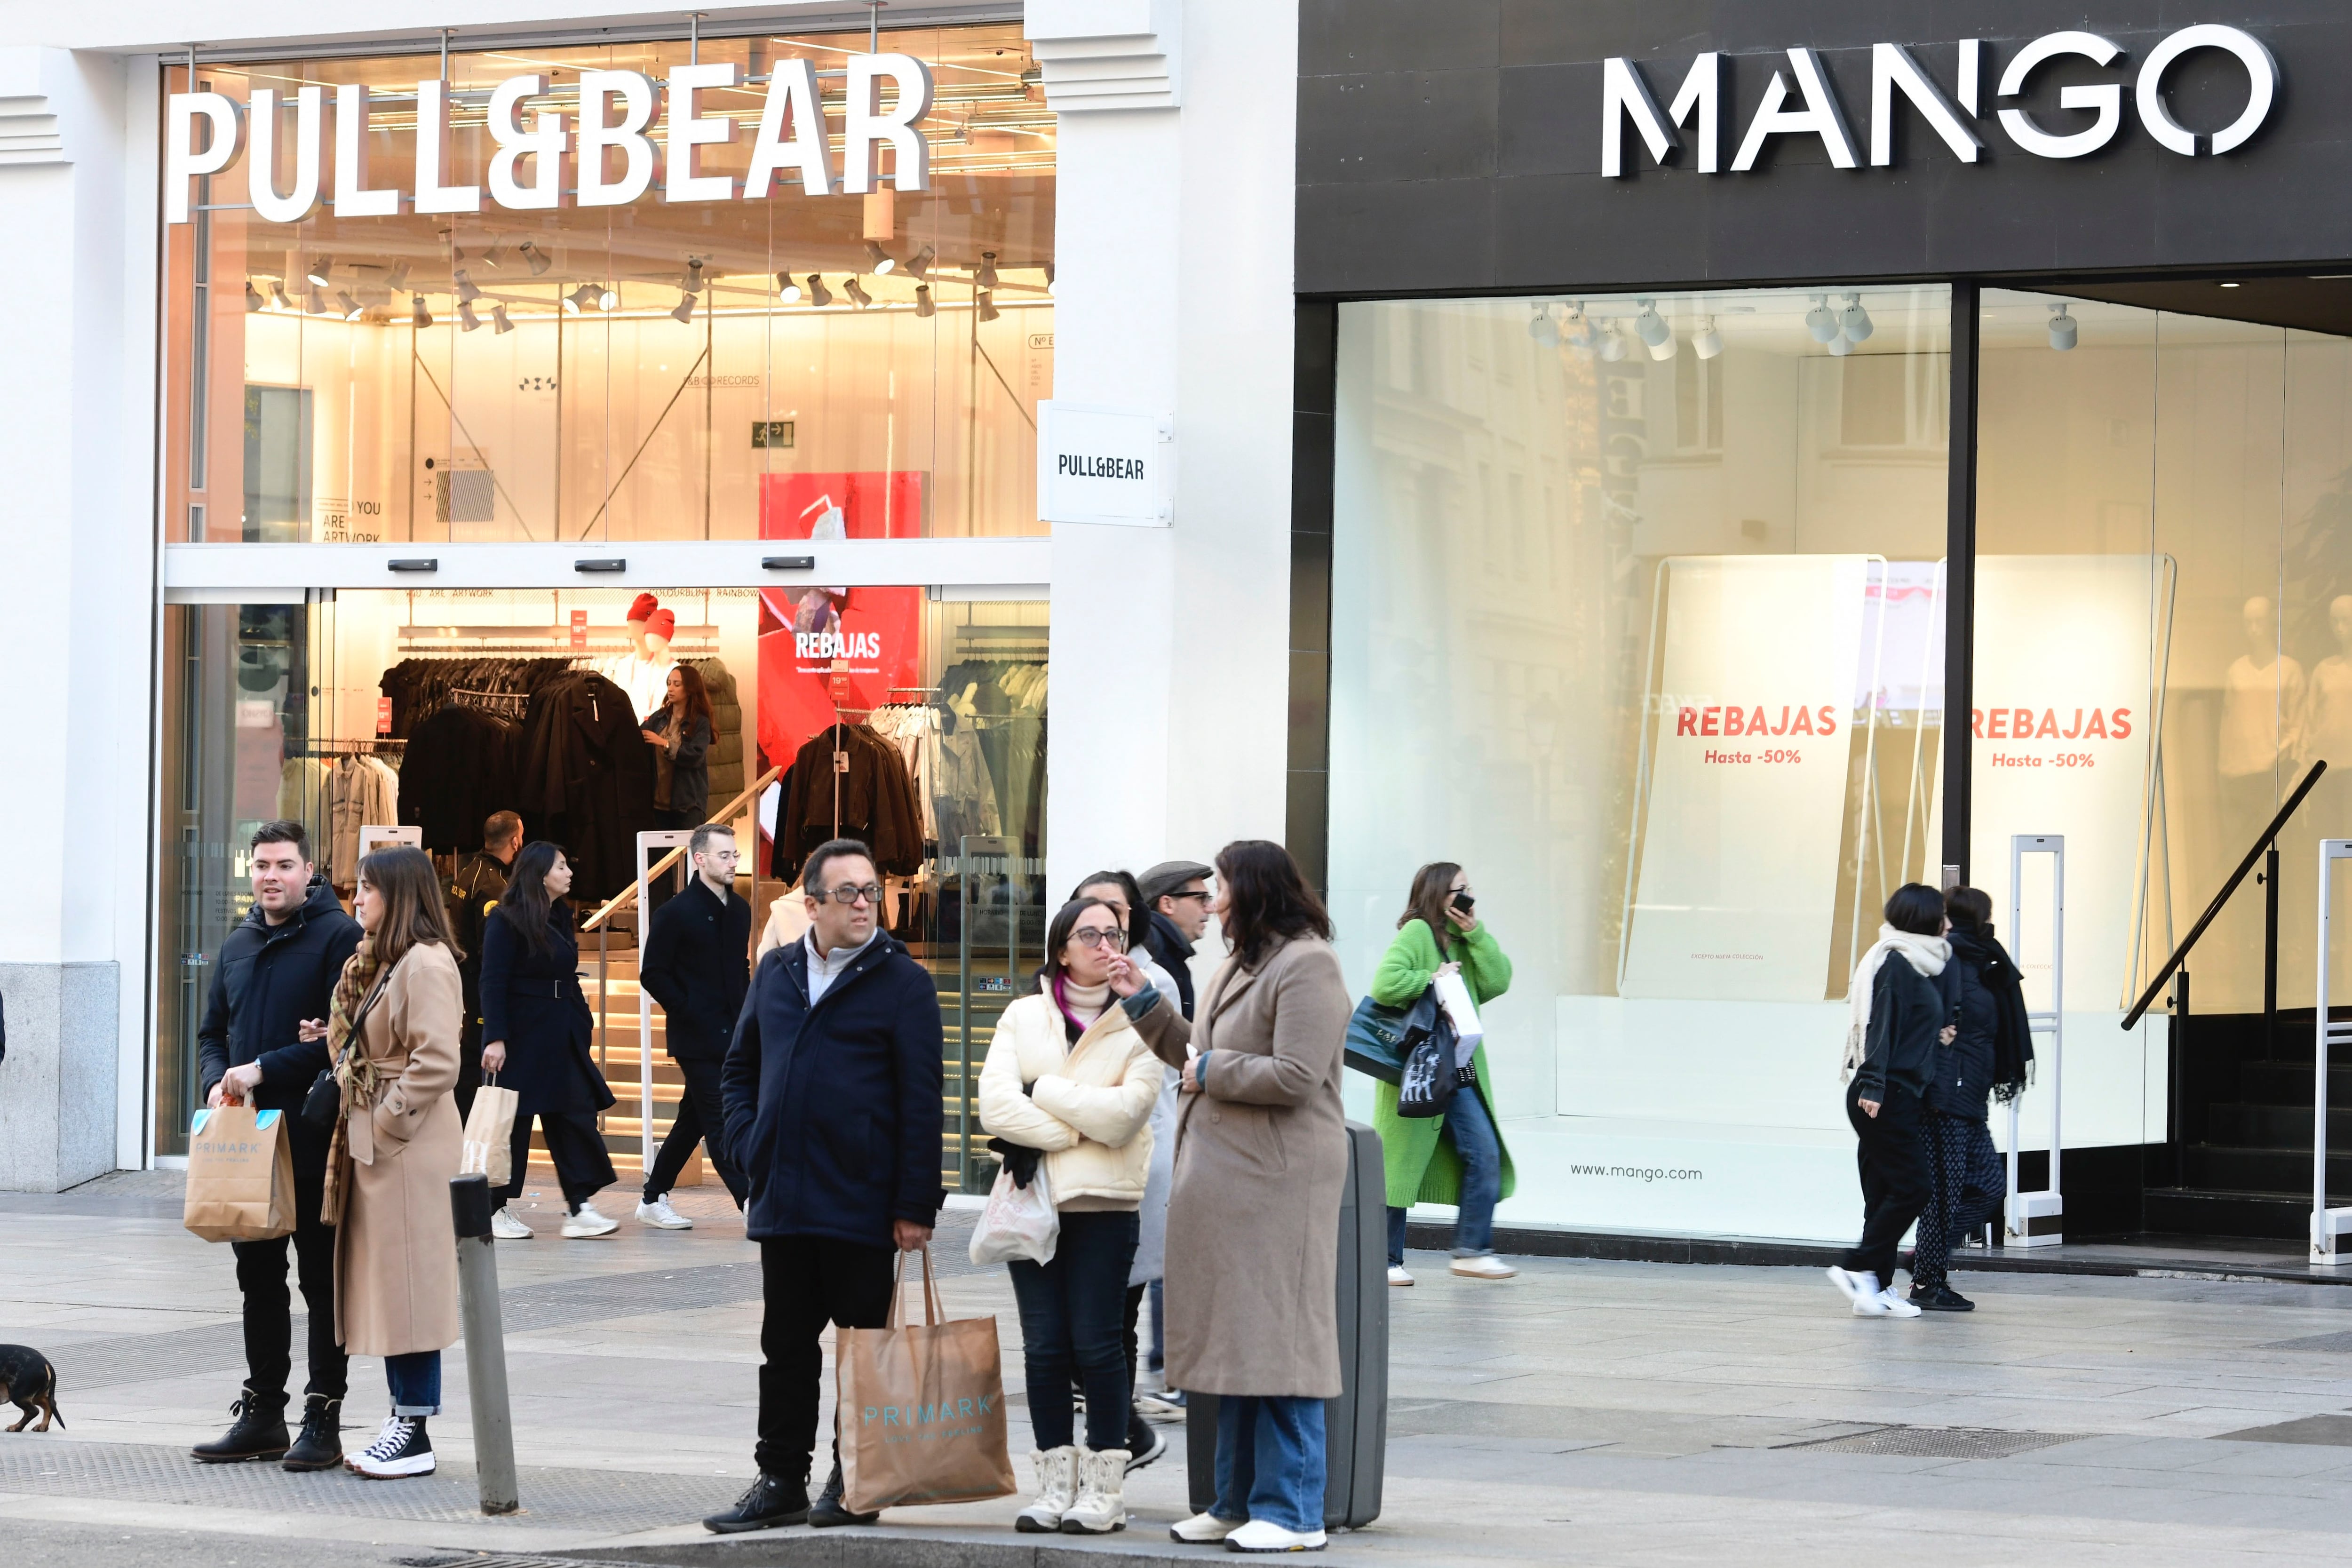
[1355, 1424]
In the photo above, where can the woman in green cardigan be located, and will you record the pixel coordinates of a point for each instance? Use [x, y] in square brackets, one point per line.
[1458, 1158]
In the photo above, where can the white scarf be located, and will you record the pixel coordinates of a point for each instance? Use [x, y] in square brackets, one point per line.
[1928, 954]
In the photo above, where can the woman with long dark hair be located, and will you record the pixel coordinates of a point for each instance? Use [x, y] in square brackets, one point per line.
[684, 727]
[1261, 1159]
[1068, 1087]
[536, 1027]
[1458, 1158]
[391, 1033]
[1899, 1015]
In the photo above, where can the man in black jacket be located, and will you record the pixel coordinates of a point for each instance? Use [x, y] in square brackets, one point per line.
[276, 970]
[698, 964]
[1176, 894]
[473, 893]
[832, 1088]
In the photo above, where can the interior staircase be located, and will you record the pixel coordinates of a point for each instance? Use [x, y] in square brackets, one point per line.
[2245, 1163]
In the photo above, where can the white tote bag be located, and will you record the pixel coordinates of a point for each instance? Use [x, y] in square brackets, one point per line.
[1019, 1222]
[1454, 996]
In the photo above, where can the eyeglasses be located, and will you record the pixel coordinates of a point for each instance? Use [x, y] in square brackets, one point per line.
[1201, 893]
[727, 855]
[848, 894]
[1100, 936]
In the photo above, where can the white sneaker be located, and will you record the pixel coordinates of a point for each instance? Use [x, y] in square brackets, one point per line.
[1397, 1276]
[1853, 1286]
[1203, 1530]
[1101, 1506]
[585, 1223]
[1257, 1535]
[1892, 1305]
[661, 1216]
[1485, 1266]
[506, 1228]
[1057, 1488]
[401, 1450]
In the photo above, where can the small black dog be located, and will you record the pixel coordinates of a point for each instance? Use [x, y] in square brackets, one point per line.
[29, 1383]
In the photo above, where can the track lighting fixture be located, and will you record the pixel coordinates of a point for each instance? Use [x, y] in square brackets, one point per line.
[1821, 321]
[315, 302]
[608, 299]
[879, 259]
[918, 266]
[986, 276]
[538, 261]
[1663, 351]
[692, 281]
[1580, 334]
[923, 306]
[347, 305]
[466, 316]
[1649, 326]
[580, 298]
[1841, 346]
[786, 289]
[398, 276]
[987, 306]
[418, 316]
[819, 295]
[253, 299]
[2062, 334]
[277, 299]
[322, 269]
[467, 292]
[1543, 329]
[1613, 344]
[684, 310]
[1853, 320]
[499, 318]
[1707, 342]
[857, 292]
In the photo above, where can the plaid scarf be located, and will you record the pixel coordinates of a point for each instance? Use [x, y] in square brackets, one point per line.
[356, 1073]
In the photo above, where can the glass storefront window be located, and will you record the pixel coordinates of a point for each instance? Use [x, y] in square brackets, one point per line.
[1637, 615]
[659, 369]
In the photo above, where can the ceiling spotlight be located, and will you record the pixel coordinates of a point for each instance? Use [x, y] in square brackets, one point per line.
[321, 266]
[492, 255]
[277, 299]
[923, 306]
[881, 260]
[819, 295]
[466, 315]
[1580, 334]
[1841, 346]
[2061, 328]
[856, 293]
[786, 289]
[986, 276]
[253, 299]
[1821, 321]
[684, 310]
[580, 298]
[418, 316]
[1049, 288]
[1652, 327]
[1853, 320]
[398, 276]
[467, 292]
[1663, 351]
[692, 283]
[918, 266]
[315, 302]
[1543, 329]
[1707, 342]
[498, 316]
[987, 304]
[1613, 344]
[347, 305]
[538, 261]
[607, 299]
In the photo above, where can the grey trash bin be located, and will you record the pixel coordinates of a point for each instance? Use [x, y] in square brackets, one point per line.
[1355, 1424]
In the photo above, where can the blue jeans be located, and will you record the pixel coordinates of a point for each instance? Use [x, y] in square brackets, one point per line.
[1074, 1320]
[414, 1379]
[1279, 1439]
[1472, 1132]
[1158, 1359]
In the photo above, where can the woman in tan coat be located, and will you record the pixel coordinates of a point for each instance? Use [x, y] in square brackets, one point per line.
[1254, 1213]
[392, 1033]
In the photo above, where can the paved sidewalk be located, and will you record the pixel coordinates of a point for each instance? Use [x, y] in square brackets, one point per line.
[1586, 1412]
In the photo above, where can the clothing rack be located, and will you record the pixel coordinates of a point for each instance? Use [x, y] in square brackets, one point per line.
[507, 704]
[325, 749]
[549, 642]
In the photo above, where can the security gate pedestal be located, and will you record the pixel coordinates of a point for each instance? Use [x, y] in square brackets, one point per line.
[2328, 1227]
[2039, 1219]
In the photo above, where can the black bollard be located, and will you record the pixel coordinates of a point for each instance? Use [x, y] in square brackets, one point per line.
[486, 1344]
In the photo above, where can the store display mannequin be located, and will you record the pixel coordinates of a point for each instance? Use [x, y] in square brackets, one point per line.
[2326, 730]
[2261, 702]
[643, 671]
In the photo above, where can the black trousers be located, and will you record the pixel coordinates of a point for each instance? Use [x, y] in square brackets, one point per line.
[1969, 1185]
[1897, 1185]
[469, 1063]
[261, 1277]
[582, 1168]
[699, 1110]
[805, 1283]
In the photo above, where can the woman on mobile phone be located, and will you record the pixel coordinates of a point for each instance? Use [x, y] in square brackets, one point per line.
[1458, 1158]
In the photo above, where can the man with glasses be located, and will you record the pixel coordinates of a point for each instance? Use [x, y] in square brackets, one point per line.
[698, 964]
[1177, 893]
[832, 1091]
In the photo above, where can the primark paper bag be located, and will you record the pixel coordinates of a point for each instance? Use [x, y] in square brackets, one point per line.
[922, 1408]
[240, 1175]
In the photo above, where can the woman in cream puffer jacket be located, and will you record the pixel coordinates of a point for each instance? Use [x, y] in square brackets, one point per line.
[1070, 1078]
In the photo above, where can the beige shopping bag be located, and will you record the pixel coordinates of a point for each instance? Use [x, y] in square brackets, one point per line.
[490, 1135]
[240, 1175]
[921, 1408]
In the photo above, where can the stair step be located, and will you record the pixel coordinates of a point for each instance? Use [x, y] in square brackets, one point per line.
[2193, 1211]
[2223, 1168]
[2271, 1126]
[2289, 1083]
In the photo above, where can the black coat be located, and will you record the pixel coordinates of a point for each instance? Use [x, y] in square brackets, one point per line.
[532, 1002]
[698, 965]
[587, 780]
[459, 768]
[471, 895]
[1995, 1039]
[869, 798]
[1907, 1011]
[834, 1111]
[269, 979]
[689, 765]
[1173, 953]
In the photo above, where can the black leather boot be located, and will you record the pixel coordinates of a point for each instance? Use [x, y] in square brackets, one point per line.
[830, 1511]
[772, 1501]
[257, 1432]
[320, 1444]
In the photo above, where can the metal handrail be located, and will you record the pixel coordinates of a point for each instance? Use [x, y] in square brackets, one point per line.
[2213, 910]
[725, 814]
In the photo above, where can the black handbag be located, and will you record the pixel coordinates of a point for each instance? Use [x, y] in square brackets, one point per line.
[1380, 1037]
[323, 1101]
[1430, 1076]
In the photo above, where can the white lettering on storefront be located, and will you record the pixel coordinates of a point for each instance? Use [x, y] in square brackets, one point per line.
[604, 154]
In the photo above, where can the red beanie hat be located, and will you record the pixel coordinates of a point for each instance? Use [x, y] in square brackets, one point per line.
[662, 624]
[643, 610]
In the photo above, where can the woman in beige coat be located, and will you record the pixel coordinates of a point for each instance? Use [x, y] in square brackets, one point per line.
[1254, 1215]
[1067, 1090]
[392, 1033]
